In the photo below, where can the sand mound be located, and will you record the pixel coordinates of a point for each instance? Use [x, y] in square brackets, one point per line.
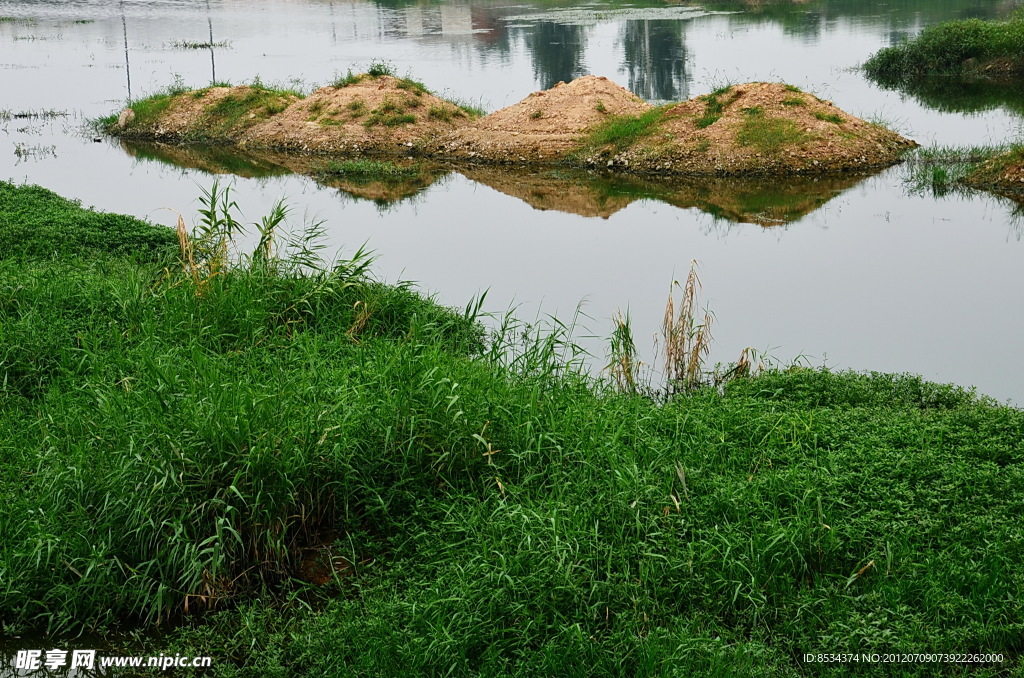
[750, 129]
[1003, 174]
[371, 114]
[220, 114]
[544, 125]
[754, 128]
[375, 114]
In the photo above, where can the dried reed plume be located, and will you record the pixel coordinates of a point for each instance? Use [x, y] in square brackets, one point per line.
[687, 343]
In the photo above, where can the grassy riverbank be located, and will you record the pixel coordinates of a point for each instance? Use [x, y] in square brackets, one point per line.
[945, 169]
[188, 449]
[971, 48]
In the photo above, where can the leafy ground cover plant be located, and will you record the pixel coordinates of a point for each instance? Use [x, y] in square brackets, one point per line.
[480, 504]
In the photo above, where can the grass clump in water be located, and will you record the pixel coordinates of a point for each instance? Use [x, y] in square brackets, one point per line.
[940, 170]
[956, 48]
[188, 44]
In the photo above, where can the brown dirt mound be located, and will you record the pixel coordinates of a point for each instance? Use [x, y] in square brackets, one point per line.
[380, 114]
[375, 114]
[754, 128]
[544, 125]
[212, 114]
[1003, 174]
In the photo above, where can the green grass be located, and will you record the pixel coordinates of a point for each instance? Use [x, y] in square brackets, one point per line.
[35, 222]
[829, 117]
[219, 121]
[243, 109]
[414, 87]
[953, 48]
[389, 114]
[715, 104]
[624, 130]
[767, 134]
[167, 440]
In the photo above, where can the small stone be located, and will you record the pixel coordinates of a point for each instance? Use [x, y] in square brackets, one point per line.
[126, 118]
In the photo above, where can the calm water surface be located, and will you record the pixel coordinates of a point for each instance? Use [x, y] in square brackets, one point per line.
[859, 273]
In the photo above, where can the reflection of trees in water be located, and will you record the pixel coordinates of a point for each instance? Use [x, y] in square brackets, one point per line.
[557, 52]
[953, 95]
[655, 57]
[809, 26]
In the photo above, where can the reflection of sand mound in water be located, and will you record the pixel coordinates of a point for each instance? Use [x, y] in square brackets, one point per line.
[586, 196]
[762, 201]
[752, 200]
[544, 125]
[387, 191]
[212, 159]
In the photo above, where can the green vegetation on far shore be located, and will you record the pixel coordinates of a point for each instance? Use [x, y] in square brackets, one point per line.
[297, 470]
[969, 48]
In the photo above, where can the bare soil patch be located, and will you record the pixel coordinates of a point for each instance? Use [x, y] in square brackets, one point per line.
[543, 126]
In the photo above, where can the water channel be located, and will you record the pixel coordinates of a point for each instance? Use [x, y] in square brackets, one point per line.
[860, 272]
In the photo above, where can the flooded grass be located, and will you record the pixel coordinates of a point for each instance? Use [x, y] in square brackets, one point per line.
[43, 114]
[34, 151]
[940, 170]
[186, 44]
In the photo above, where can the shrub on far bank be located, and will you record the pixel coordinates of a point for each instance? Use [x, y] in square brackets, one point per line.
[969, 47]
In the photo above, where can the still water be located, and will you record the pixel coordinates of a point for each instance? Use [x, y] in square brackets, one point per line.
[858, 273]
